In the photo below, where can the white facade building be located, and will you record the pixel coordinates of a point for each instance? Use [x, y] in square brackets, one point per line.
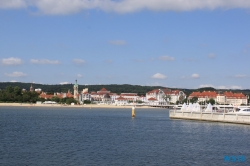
[165, 96]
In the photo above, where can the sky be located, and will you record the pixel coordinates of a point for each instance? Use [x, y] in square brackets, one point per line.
[176, 44]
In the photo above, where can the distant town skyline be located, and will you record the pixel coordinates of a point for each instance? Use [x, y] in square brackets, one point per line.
[166, 43]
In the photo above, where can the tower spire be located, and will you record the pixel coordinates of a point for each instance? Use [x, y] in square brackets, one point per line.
[31, 88]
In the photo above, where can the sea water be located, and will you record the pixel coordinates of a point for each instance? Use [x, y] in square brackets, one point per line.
[98, 136]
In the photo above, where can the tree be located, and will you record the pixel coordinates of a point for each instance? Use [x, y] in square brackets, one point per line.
[194, 100]
[211, 101]
[26, 97]
[9, 89]
[70, 100]
[87, 102]
[55, 99]
[139, 101]
[184, 100]
[17, 90]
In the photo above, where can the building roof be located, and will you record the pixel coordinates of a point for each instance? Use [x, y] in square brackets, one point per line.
[152, 99]
[234, 95]
[129, 94]
[121, 98]
[213, 94]
[204, 94]
[103, 89]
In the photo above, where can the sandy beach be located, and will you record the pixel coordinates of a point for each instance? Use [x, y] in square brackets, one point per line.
[67, 106]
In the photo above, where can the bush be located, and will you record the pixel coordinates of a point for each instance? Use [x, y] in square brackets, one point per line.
[87, 102]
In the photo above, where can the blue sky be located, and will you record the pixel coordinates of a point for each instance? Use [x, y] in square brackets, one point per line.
[184, 44]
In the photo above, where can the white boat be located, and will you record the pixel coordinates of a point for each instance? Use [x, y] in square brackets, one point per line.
[243, 111]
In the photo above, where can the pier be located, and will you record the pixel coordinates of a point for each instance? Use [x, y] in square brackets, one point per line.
[211, 116]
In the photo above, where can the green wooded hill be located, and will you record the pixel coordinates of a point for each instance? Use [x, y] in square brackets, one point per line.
[115, 88]
[125, 88]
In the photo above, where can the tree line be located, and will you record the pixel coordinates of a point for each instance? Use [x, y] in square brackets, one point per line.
[16, 95]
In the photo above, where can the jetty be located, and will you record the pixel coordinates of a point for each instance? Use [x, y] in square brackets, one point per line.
[211, 115]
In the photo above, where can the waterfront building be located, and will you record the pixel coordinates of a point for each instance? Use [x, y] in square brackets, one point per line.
[59, 95]
[153, 101]
[106, 99]
[84, 95]
[142, 99]
[220, 98]
[130, 96]
[206, 95]
[46, 96]
[103, 96]
[235, 98]
[165, 96]
[121, 101]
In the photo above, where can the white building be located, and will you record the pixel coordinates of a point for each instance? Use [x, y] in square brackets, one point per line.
[165, 96]
[121, 101]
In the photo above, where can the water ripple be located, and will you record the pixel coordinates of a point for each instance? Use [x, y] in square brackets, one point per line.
[67, 136]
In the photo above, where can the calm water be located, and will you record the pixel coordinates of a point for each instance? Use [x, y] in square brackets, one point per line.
[82, 136]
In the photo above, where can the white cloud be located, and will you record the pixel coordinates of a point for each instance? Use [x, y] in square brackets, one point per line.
[166, 58]
[11, 61]
[240, 76]
[206, 85]
[44, 61]
[79, 61]
[122, 6]
[211, 55]
[195, 76]
[222, 87]
[62, 83]
[79, 75]
[13, 81]
[159, 76]
[235, 87]
[15, 74]
[118, 42]
[8, 4]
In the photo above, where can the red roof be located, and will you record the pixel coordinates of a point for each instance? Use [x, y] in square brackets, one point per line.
[103, 89]
[213, 94]
[120, 98]
[151, 99]
[128, 94]
[235, 95]
[204, 94]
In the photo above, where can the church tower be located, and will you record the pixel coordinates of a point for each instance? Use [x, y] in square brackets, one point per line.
[31, 88]
[76, 91]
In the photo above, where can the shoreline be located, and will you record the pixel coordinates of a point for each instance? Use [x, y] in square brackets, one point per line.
[68, 106]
